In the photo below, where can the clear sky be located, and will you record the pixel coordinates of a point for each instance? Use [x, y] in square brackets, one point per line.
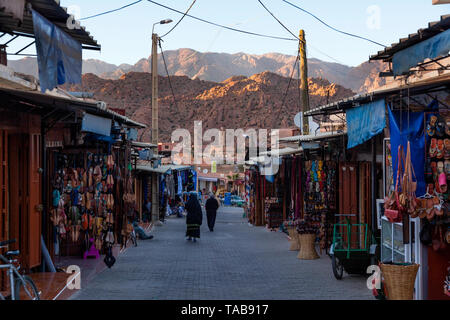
[125, 35]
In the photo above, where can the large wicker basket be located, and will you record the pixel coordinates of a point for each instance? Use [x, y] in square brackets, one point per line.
[307, 247]
[399, 280]
[293, 235]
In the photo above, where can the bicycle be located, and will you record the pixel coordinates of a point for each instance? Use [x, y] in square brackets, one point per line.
[18, 283]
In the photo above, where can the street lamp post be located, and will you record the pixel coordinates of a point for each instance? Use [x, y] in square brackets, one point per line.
[154, 58]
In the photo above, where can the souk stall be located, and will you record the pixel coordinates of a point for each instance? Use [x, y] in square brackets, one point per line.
[91, 187]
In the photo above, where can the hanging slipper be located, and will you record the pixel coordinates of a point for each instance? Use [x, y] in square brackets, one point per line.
[447, 126]
[431, 126]
[434, 171]
[433, 148]
[440, 128]
[98, 244]
[85, 221]
[440, 149]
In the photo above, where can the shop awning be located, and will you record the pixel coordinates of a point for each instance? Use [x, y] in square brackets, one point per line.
[96, 124]
[432, 48]
[282, 152]
[433, 29]
[318, 136]
[44, 102]
[207, 179]
[143, 144]
[162, 169]
[426, 85]
[365, 122]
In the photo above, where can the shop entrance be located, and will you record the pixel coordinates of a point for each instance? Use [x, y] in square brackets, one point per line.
[25, 197]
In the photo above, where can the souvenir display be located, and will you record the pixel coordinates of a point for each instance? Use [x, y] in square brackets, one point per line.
[320, 197]
[434, 205]
[83, 200]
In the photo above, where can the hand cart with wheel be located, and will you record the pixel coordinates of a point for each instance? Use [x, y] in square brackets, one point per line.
[353, 248]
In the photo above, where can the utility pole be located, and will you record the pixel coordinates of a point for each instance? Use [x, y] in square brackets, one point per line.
[304, 80]
[155, 180]
[155, 177]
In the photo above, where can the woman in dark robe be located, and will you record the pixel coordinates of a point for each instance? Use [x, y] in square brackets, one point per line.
[194, 217]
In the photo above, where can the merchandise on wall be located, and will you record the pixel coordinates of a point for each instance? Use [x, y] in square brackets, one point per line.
[320, 198]
[93, 200]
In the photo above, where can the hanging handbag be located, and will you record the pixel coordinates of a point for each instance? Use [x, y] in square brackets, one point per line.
[393, 207]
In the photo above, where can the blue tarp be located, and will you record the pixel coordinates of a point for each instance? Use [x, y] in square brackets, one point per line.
[364, 122]
[59, 56]
[434, 47]
[414, 133]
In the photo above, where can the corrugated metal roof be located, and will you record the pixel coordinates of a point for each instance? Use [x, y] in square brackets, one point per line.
[143, 144]
[359, 99]
[433, 29]
[55, 14]
[55, 100]
[162, 169]
[282, 152]
[319, 136]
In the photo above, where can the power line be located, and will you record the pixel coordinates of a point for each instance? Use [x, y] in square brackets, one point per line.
[114, 10]
[281, 23]
[290, 79]
[287, 29]
[222, 26]
[168, 76]
[327, 25]
[184, 15]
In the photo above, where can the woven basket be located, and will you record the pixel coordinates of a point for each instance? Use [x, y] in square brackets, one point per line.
[293, 234]
[399, 280]
[307, 247]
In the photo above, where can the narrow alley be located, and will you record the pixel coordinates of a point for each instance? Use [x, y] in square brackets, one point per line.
[236, 261]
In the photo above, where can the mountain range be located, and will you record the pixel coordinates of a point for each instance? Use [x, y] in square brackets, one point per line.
[218, 67]
[262, 101]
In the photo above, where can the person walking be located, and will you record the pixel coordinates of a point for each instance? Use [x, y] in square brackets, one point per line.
[211, 207]
[194, 217]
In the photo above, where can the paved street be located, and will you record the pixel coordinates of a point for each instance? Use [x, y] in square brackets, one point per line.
[236, 261]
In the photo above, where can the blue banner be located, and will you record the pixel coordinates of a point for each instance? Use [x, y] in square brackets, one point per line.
[365, 122]
[437, 46]
[406, 127]
[96, 124]
[59, 56]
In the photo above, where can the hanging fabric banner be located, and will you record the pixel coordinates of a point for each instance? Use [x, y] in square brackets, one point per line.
[59, 56]
[406, 127]
[432, 48]
[365, 122]
[180, 183]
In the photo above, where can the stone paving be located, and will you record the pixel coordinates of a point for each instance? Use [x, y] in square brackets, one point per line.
[236, 261]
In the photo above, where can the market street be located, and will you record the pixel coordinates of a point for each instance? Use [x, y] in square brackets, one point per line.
[236, 261]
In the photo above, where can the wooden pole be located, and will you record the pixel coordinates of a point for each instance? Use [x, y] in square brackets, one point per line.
[304, 80]
[155, 180]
